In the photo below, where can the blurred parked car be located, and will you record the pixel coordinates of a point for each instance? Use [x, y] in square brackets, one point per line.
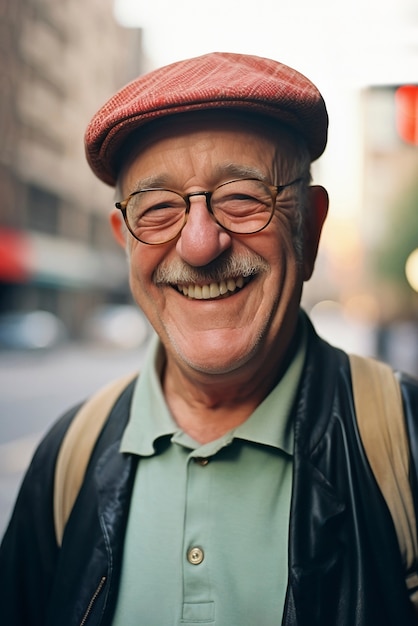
[31, 330]
[120, 326]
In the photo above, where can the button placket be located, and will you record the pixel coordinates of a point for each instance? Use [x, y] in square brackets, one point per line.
[196, 581]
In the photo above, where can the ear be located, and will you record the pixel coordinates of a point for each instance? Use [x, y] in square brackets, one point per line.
[314, 220]
[118, 227]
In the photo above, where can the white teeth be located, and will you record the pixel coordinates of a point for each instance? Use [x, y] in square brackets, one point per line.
[214, 290]
[231, 284]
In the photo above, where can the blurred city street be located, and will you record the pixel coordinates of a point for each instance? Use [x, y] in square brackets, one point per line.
[35, 389]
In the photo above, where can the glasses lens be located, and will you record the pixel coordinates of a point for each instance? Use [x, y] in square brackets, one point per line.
[155, 216]
[242, 206]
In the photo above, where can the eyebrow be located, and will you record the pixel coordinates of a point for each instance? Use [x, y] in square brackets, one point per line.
[151, 182]
[235, 170]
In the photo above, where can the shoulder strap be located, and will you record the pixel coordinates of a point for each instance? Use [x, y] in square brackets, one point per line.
[381, 423]
[77, 446]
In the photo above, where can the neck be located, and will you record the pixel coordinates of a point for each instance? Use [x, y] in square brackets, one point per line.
[208, 406]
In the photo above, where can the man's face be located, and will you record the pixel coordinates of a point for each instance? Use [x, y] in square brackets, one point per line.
[250, 325]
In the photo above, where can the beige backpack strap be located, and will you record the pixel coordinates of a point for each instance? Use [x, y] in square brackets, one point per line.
[77, 446]
[381, 423]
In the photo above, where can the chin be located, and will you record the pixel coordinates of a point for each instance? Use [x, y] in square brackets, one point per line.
[218, 357]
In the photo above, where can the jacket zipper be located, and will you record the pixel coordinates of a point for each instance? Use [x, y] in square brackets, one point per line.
[93, 600]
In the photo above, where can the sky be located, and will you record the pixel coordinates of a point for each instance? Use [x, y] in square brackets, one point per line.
[355, 41]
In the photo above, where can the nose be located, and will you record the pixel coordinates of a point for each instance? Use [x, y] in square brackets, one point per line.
[202, 240]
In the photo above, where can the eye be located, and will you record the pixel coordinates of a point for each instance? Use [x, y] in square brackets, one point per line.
[160, 206]
[241, 200]
[246, 190]
[155, 201]
[236, 202]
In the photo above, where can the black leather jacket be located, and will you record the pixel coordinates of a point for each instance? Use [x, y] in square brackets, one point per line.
[344, 564]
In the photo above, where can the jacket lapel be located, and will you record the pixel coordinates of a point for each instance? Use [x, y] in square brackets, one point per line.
[318, 514]
[315, 546]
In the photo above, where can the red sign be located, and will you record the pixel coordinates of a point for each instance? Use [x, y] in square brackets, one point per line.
[406, 99]
[14, 256]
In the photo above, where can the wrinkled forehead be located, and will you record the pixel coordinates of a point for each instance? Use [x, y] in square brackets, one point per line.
[287, 143]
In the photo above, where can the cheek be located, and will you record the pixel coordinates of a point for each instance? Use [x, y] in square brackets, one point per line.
[279, 248]
[140, 272]
[143, 261]
[286, 276]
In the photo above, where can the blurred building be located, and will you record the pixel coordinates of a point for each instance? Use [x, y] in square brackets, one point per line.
[59, 61]
[390, 230]
[390, 155]
[359, 296]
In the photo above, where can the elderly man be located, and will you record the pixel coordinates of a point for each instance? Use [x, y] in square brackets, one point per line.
[228, 485]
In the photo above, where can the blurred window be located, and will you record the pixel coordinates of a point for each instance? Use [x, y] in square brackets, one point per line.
[42, 210]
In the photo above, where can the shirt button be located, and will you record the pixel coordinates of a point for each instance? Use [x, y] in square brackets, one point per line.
[195, 556]
[201, 460]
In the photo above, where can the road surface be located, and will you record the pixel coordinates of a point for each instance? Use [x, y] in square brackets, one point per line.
[35, 389]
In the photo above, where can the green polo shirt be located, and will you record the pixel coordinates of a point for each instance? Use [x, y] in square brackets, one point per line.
[207, 533]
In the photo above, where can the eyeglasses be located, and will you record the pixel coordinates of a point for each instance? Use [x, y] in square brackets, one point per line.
[244, 207]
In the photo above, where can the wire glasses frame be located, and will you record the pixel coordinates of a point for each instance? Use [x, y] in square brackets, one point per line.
[242, 205]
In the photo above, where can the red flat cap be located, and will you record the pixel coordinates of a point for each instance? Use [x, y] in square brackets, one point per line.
[212, 81]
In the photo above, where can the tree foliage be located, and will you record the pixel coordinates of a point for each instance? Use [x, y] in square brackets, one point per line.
[401, 237]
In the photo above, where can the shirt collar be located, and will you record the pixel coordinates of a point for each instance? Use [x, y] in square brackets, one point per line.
[150, 418]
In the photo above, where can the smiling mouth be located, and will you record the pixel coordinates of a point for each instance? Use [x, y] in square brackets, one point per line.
[213, 290]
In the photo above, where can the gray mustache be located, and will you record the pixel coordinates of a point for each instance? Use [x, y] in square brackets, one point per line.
[177, 272]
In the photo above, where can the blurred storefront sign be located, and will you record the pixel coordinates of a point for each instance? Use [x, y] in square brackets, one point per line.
[42, 259]
[15, 255]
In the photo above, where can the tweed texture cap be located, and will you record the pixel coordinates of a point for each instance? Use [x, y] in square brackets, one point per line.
[212, 81]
